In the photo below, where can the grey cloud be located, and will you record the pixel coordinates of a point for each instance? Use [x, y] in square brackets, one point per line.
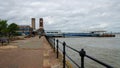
[72, 15]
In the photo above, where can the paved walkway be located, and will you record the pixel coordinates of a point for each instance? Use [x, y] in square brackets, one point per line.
[33, 42]
[29, 53]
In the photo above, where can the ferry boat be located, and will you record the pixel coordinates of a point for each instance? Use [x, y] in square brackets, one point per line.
[103, 34]
[53, 33]
[90, 34]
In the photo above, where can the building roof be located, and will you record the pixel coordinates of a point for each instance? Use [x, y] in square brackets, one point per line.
[99, 31]
[23, 26]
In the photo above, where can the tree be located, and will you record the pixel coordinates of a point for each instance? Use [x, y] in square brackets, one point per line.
[12, 28]
[3, 27]
[7, 30]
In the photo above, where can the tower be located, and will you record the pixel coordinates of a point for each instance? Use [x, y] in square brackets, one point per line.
[41, 22]
[41, 29]
[33, 23]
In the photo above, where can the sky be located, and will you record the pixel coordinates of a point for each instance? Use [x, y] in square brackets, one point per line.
[64, 15]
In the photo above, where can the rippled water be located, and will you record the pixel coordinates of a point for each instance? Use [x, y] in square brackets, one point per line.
[106, 49]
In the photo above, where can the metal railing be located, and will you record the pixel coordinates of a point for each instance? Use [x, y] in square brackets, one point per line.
[82, 54]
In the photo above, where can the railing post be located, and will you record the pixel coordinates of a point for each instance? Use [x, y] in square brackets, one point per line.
[64, 54]
[54, 44]
[82, 54]
[57, 49]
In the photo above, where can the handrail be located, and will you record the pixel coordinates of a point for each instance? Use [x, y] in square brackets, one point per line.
[72, 49]
[104, 64]
[73, 61]
[82, 54]
[60, 42]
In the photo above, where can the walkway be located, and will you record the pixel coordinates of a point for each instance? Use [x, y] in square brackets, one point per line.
[29, 53]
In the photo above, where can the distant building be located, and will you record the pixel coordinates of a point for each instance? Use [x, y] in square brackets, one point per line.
[53, 33]
[25, 30]
[98, 32]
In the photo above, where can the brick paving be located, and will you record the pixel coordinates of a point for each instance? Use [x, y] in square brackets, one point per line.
[29, 53]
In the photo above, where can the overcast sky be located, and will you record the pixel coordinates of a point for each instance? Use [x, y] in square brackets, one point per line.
[65, 15]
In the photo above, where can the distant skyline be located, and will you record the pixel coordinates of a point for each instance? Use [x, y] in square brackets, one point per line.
[65, 15]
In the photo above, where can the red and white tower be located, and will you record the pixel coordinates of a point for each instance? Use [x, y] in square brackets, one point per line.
[41, 22]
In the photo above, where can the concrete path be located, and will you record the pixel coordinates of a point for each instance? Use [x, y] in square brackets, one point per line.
[33, 42]
[29, 53]
[19, 58]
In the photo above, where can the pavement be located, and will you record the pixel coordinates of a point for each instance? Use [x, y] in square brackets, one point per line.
[29, 53]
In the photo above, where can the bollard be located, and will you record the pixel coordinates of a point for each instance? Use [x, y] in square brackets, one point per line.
[82, 53]
[64, 54]
[57, 49]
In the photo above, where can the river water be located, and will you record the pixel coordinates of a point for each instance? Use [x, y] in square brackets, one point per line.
[106, 49]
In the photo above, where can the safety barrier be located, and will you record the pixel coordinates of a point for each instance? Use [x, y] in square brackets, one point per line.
[82, 53]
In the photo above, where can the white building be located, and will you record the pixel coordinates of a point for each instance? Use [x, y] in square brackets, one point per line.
[56, 33]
